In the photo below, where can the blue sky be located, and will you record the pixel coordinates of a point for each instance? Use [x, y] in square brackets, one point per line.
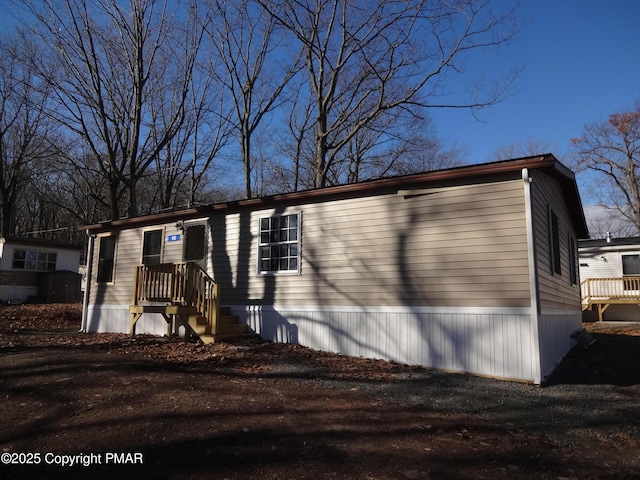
[581, 62]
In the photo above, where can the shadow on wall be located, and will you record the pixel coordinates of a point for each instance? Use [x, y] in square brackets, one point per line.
[272, 325]
[236, 274]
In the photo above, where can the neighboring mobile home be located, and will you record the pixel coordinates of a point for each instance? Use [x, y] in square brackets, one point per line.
[610, 274]
[38, 270]
[471, 269]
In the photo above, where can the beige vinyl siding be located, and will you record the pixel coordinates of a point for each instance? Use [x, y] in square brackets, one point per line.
[459, 247]
[554, 290]
[128, 255]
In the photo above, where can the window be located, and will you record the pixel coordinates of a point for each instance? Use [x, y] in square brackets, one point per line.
[631, 268]
[152, 247]
[631, 265]
[106, 258]
[279, 244]
[554, 242]
[573, 272]
[34, 260]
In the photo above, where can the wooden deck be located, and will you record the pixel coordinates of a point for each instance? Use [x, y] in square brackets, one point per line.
[184, 295]
[604, 292]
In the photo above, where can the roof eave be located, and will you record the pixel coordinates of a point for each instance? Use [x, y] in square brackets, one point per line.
[373, 187]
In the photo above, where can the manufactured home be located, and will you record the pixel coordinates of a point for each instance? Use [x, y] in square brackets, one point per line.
[39, 270]
[610, 274]
[470, 269]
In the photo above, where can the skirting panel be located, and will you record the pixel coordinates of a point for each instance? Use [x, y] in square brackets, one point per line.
[498, 342]
[116, 319]
[554, 331]
[494, 342]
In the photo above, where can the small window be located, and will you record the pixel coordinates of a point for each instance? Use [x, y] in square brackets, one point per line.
[106, 258]
[573, 271]
[34, 260]
[554, 243]
[279, 244]
[19, 259]
[631, 268]
[631, 265]
[152, 247]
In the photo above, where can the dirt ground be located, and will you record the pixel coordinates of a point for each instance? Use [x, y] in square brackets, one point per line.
[162, 409]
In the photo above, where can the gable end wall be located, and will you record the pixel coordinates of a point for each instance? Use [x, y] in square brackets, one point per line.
[559, 313]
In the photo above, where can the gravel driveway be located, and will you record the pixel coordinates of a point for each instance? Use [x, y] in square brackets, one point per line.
[267, 411]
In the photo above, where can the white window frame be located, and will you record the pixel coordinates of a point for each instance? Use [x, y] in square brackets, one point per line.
[115, 256]
[627, 285]
[630, 254]
[277, 244]
[30, 264]
[147, 230]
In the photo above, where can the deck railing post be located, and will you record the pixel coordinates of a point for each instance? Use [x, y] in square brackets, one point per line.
[182, 283]
[604, 292]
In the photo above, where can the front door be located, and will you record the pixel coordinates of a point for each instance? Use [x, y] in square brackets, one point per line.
[195, 244]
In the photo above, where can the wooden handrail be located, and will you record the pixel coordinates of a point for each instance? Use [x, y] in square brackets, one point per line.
[202, 292]
[622, 289]
[184, 283]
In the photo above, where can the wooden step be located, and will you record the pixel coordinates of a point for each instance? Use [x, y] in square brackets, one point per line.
[228, 326]
[230, 337]
[227, 319]
[201, 329]
[199, 325]
[236, 329]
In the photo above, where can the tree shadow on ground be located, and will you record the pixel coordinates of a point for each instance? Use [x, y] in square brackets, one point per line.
[611, 360]
[212, 419]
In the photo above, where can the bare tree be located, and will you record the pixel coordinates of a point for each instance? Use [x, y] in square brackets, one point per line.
[392, 146]
[210, 135]
[27, 136]
[292, 172]
[112, 64]
[611, 149]
[366, 59]
[606, 222]
[523, 148]
[74, 185]
[186, 163]
[252, 68]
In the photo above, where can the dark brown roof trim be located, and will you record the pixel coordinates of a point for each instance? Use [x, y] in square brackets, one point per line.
[545, 162]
